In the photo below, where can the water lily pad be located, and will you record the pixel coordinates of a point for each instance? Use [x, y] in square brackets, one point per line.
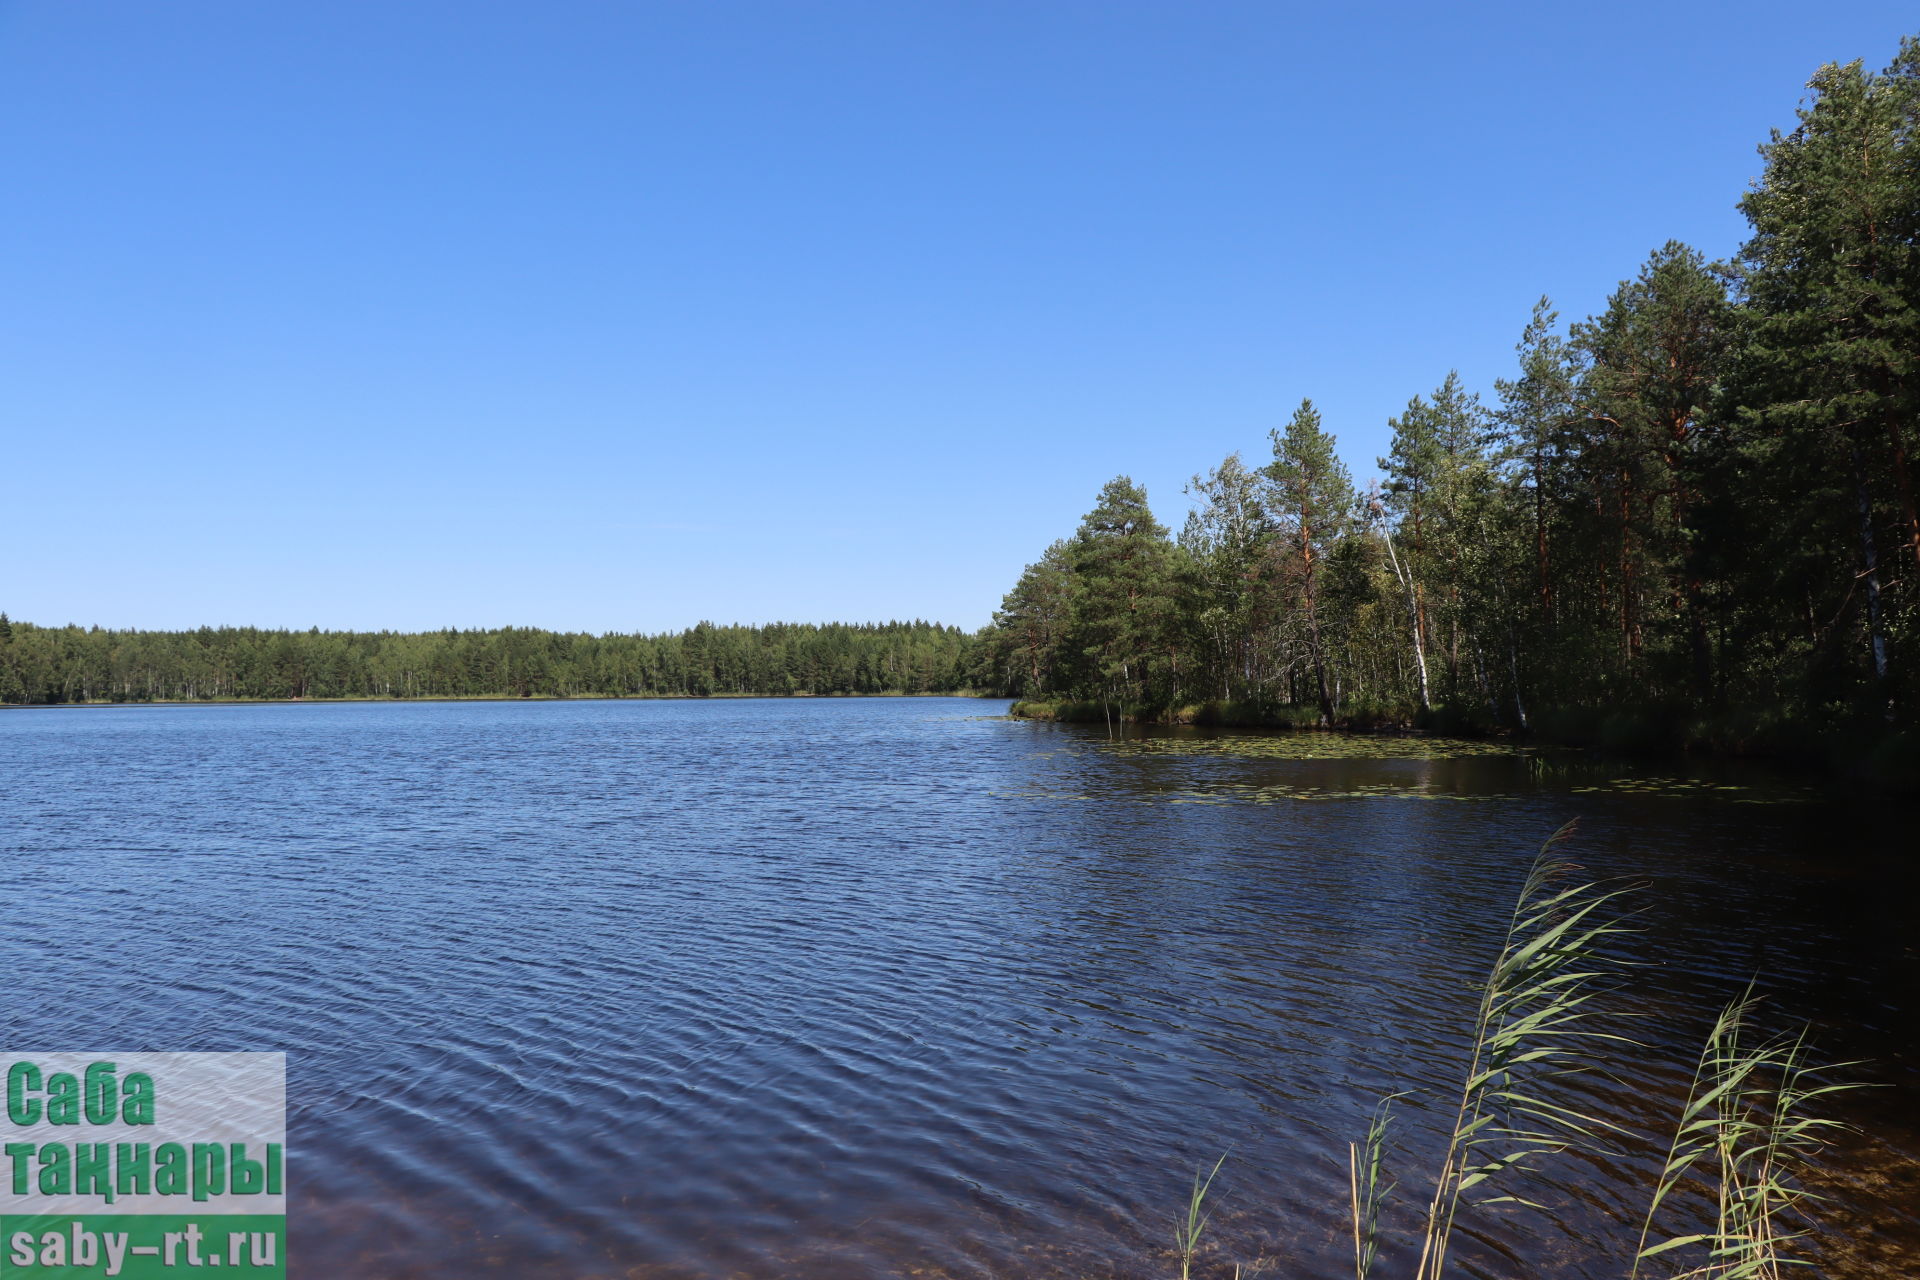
[1313, 746]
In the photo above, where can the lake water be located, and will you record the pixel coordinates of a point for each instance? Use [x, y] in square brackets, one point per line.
[851, 988]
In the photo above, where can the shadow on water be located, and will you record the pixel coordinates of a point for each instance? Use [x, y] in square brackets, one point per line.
[878, 988]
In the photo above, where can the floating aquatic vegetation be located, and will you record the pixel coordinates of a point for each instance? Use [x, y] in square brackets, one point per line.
[1041, 793]
[1249, 793]
[1315, 746]
[1230, 792]
[1548, 770]
[1699, 788]
[1272, 794]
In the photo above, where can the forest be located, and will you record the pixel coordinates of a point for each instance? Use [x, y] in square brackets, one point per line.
[1688, 517]
[81, 664]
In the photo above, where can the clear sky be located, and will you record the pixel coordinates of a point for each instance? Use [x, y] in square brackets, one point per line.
[618, 316]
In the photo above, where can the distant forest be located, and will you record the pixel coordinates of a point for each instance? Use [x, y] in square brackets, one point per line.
[80, 664]
[1691, 514]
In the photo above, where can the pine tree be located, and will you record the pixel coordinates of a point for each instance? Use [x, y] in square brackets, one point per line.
[1312, 495]
[1032, 623]
[1657, 355]
[1124, 568]
[1830, 374]
[1537, 411]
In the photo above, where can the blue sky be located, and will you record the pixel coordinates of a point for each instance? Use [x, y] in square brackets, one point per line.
[620, 316]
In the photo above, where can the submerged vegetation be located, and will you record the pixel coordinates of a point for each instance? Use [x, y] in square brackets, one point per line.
[1689, 518]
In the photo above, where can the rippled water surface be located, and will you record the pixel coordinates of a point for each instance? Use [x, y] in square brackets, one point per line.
[887, 987]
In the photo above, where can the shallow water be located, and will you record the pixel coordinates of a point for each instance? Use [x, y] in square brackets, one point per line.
[876, 987]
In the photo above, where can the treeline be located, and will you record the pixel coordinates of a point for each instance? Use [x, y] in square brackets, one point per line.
[76, 664]
[1695, 508]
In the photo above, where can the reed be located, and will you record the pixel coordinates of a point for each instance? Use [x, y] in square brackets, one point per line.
[1744, 1135]
[1745, 1132]
[1533, 1026]
[1187, 1231]
[1366, 1164]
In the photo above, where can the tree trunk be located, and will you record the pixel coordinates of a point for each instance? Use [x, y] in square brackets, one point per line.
[1540, 535]
[1413, 620]
[1689, 578]
[1629, 646]
[1480, 675]
[1870, 562]
[1313, 624]
[1513, 667]
[1903, 480]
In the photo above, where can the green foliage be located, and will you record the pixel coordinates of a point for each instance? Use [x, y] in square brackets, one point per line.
[1823, 394]
[72, 664]
[1121, 621]
[1313, 497]
[1097, 617]
[1229, 600]
[1029, 632]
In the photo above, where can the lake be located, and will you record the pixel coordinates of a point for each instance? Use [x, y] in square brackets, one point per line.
[860, 988]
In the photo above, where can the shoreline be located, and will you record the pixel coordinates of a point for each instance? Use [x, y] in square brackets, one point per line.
[1890, 764]
[98, 703]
